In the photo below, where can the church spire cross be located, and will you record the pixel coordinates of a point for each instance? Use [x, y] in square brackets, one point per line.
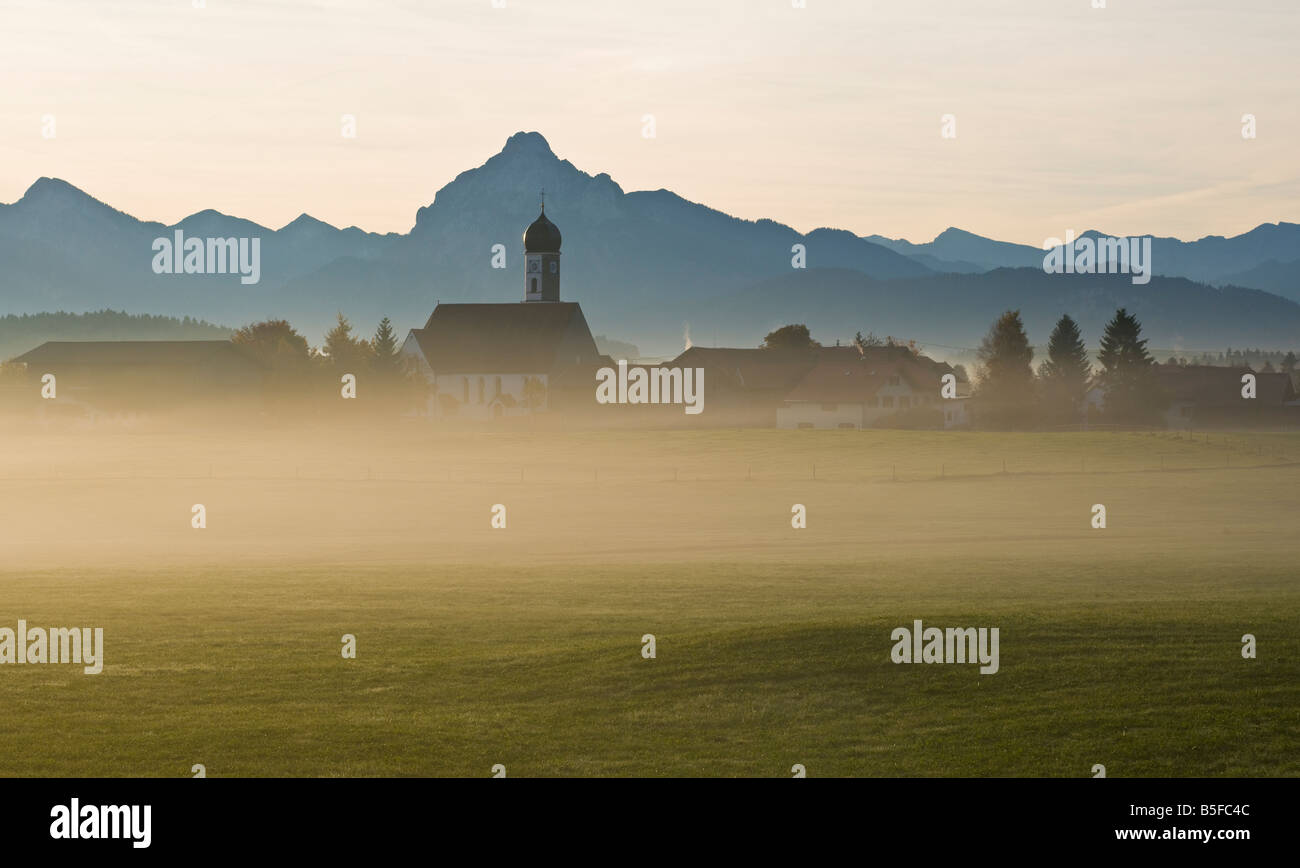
[543, 200]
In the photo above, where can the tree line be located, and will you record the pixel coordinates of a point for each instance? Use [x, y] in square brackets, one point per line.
[290, 360]
[1013, 395]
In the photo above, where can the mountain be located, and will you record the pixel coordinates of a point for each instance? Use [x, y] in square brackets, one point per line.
[627, 252]
[956, 250]
[624, 253]
[643, 263]
[955, 310]
[1212, 259]
[1282, 278]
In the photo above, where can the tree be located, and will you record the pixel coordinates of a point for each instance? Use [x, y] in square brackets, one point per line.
[1128, 372]
[383, 348]
[1289, 362]
[869, 341]
[534, 393]
[1064, 373]
[344, 351]
[274, 343]
[789, 337]
[1006, 387]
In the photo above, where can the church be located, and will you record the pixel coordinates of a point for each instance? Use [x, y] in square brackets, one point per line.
[487, 361]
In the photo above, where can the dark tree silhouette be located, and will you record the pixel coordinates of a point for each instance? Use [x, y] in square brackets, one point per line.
[1065, 372]
[383, 347]
[1006, 386]
[790, 337]
[1128, 373]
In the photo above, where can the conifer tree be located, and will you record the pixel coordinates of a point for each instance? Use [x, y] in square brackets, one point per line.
[1065, 372]
[1006, 386]
[1128, 372]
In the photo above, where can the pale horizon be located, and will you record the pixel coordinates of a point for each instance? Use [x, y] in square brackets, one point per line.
[1125, 120]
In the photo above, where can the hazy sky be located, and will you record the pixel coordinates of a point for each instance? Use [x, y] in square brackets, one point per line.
[1125, 119]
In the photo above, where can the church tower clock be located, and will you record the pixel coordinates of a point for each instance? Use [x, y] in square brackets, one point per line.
[542, 260]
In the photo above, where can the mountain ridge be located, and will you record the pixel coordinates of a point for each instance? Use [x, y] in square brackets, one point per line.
[631, 257]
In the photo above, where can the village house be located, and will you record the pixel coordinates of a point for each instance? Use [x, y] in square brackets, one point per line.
[745, 387]
[1202, 396]
[103, 378]
[864, 387]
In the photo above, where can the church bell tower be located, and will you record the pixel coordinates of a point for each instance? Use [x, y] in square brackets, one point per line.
[542, 259]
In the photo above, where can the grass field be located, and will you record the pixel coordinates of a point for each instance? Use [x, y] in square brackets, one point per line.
[521, 645]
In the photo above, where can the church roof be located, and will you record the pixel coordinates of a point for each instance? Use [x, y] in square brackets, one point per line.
[520, 338]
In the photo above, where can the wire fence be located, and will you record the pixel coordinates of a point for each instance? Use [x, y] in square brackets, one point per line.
[612, 475]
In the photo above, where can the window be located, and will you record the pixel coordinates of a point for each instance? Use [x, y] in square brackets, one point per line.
[894, 380]
[533, 286]
[480, 390]
[498, 386]
[555, 267]
[887, 401]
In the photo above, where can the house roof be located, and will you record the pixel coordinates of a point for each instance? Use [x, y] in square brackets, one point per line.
[750, 368]
[856, 381]
[159, 354]
[817, 371]
[1204, 384]
[1274, 387]
[505, 338]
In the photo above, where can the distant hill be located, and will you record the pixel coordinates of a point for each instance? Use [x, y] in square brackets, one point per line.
[955, 250]
[1282, 278]
[1243, 259]
[956, 310]
[22, 332]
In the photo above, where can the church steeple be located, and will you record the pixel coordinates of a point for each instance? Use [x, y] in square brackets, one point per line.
[542, 259]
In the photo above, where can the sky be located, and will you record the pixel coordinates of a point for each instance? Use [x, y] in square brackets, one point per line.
[1126, 119]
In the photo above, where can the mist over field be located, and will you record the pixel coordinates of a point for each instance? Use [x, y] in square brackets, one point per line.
[522, 644]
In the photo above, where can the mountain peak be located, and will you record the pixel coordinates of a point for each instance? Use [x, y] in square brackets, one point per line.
[528, 143]
[306, 222]
[54, 188]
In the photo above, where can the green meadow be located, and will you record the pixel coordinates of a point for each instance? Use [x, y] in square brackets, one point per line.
[523, 645]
